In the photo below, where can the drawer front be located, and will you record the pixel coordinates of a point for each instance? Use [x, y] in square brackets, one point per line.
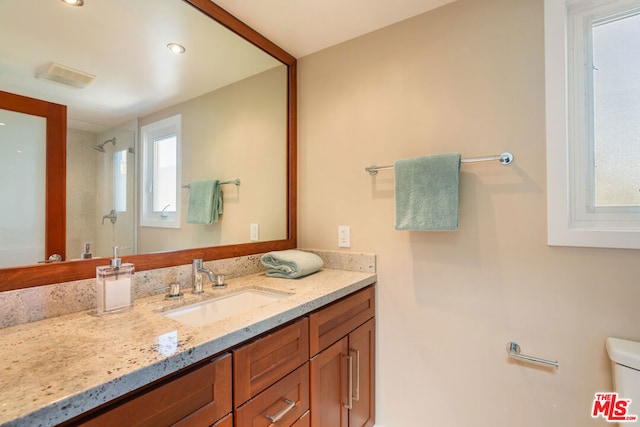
[199, 397]
[225, 422]
[328, 325]
[263, 362]
[282, 404]
[303, 421]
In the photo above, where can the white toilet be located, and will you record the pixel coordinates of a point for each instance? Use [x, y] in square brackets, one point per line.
[625, 365]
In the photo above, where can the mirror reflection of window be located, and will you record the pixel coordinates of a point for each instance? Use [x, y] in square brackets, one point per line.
[165, 168]
[120, 180]
[160, 183]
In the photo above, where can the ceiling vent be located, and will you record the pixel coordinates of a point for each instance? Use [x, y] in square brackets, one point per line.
[63, 75]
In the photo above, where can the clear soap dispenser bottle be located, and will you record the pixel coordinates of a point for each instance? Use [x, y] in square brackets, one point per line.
[114, 286]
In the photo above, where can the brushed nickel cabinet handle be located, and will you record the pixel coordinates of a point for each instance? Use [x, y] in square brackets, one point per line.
[357, 352]
[275, 418]
[349, 405]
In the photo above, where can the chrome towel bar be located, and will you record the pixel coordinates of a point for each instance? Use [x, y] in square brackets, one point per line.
[236, 182]
[505, 158]
[514, 351]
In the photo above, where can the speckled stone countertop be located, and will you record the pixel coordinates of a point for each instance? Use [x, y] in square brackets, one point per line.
[55, 369]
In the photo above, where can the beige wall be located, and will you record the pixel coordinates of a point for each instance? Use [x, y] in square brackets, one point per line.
[238, 131]
[467, 77]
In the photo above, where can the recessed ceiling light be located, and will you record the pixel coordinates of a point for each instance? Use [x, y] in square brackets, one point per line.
[176, 48]
[73, 2]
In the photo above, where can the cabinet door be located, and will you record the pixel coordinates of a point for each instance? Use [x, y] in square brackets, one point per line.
[329, 386]
[362, 351]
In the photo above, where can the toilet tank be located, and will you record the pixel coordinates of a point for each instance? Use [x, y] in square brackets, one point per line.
[625, 365]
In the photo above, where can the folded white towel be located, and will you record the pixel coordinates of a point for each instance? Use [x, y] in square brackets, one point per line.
[291, 264]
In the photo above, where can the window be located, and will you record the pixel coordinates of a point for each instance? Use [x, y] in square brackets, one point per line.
[160, 173]
[593, 122]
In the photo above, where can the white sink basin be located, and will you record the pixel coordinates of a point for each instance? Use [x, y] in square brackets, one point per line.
[207, 312]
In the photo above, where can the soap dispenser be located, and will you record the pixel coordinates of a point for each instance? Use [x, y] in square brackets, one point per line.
[114, 286]
[86, 251]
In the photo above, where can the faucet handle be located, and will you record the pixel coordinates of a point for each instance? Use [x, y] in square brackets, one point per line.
[219, 282]
[173, 291]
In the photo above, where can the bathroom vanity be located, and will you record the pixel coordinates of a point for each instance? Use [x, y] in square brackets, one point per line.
[305, 359]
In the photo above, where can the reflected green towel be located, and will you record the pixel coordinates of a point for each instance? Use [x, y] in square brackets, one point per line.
[426, 193]
[205, 202]
[291, 264]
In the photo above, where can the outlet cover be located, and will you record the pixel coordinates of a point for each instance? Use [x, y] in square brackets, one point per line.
[344, 236]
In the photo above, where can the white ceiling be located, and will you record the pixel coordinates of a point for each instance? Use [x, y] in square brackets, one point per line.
[302, 27]
[123, 43]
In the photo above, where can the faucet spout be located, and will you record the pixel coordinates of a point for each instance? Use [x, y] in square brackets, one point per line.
[209, 273]
[196, 276]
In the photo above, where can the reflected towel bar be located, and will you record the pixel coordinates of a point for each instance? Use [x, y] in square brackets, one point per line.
[236, 182]
[514, 351]
[505, 158]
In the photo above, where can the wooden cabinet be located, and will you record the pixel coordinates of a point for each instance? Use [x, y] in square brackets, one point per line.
[342, 367]
[271, 378]
[303, 421]
[225, 422]
[199, 397]
[266, 360]
[279, 405]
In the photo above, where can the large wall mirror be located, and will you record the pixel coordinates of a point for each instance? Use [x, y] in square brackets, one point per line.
[142, 129]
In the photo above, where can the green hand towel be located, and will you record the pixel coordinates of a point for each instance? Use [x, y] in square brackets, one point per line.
[426, 193]
[205, 202]
[217, 202]
[291, 264]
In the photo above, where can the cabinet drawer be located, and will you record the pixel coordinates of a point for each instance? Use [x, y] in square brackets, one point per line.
[265, 361]
[285, 401]
[225, 422]
[199, 397]
[303, 421]
[330, 324]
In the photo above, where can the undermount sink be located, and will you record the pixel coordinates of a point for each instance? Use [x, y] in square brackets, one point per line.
[210, 311]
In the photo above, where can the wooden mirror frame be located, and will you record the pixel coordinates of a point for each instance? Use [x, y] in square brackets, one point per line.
[44, 274]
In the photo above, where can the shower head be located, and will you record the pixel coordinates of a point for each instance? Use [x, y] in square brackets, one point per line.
[100, 147]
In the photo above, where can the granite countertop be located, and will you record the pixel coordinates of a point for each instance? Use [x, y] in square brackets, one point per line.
[55, 369]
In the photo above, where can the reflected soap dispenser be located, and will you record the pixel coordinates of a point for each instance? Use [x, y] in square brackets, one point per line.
[86, 251]
[114, 286]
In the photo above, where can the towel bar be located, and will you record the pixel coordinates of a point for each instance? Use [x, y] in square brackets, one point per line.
[514, 351]
[505, 158]
[235, 181]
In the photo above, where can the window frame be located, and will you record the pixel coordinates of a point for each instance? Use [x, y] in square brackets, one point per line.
[149, 134]
[572, 218]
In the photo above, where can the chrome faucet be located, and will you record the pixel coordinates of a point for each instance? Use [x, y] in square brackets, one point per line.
[196, 276]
